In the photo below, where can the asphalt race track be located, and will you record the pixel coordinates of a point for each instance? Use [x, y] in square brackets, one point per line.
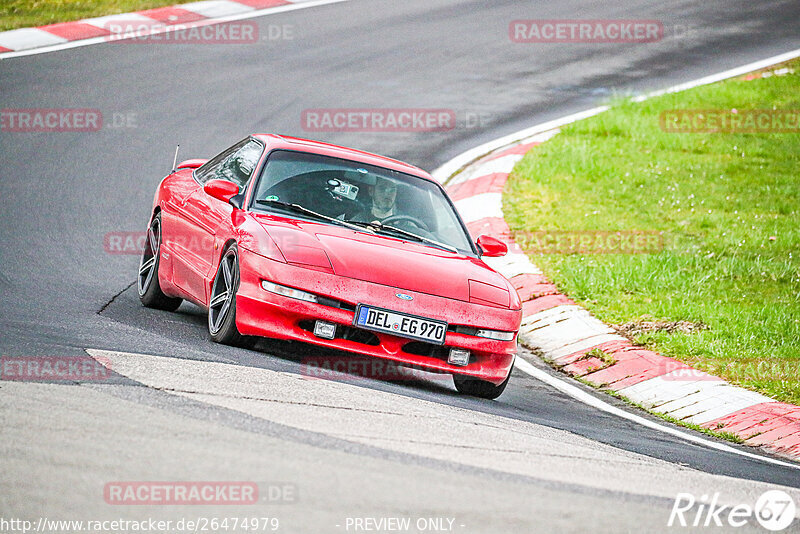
[182, 408]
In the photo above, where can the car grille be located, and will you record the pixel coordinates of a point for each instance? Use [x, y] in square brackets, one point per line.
[420, 348]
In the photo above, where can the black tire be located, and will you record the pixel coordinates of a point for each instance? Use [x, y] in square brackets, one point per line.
[147, 285]
[222, 304]
[479, 388]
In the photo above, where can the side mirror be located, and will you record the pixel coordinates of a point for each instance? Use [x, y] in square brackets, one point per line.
[191, 164]
[221, 190]
[492, 247]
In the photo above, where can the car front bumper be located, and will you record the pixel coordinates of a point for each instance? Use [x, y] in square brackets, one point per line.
[266, 314]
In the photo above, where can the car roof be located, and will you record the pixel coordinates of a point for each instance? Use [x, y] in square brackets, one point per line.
[275, 141]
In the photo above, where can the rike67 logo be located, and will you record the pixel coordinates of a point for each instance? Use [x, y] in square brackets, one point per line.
[774, 510]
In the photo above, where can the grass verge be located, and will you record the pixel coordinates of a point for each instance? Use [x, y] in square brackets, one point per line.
[26, 13]
[728, 205]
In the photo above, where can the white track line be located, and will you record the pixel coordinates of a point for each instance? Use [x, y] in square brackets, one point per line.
[586, 398]
[249, 15]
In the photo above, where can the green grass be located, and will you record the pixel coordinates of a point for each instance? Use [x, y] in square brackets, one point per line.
[729, 207]
[26, 13]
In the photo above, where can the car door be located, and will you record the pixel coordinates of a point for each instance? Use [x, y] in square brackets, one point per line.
[204, 218]
[181, 229]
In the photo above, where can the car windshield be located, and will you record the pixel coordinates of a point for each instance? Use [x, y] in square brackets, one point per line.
[375, 199]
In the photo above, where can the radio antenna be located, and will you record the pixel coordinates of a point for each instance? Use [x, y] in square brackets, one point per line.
[175, 159]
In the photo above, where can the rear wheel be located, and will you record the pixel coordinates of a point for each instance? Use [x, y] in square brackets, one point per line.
[222, 305]
[479, 388]
[147, 280]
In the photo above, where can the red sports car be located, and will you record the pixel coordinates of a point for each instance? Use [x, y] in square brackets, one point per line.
[293, 239]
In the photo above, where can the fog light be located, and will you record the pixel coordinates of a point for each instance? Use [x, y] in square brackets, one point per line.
[325, 330]
[458, 357]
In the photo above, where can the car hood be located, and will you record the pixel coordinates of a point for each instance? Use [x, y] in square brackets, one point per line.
[386, 260]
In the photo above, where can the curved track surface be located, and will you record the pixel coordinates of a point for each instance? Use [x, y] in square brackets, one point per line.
[182, 408]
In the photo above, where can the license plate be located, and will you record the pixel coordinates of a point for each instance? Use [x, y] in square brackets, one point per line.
[400, 324]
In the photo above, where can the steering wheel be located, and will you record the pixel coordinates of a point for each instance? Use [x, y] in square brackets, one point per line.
[419, 223]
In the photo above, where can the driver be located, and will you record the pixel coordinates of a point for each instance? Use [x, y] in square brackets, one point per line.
[384, 198]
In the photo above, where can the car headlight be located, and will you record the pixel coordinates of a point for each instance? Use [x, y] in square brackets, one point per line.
[289, 292]
[497, 335]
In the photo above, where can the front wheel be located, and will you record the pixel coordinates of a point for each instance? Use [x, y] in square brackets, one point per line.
[479, 388]
[222, 305]
[147, 280]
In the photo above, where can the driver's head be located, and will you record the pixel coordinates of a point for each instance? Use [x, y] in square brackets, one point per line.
[384, 194]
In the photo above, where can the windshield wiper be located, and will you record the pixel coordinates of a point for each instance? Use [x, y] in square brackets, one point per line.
[419, 238]
[356, 225]
[297, 208]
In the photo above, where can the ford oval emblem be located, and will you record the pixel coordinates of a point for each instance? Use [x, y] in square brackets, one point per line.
[403, 296]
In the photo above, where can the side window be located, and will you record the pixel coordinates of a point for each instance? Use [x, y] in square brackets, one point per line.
[239, 166]
[209, 169]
